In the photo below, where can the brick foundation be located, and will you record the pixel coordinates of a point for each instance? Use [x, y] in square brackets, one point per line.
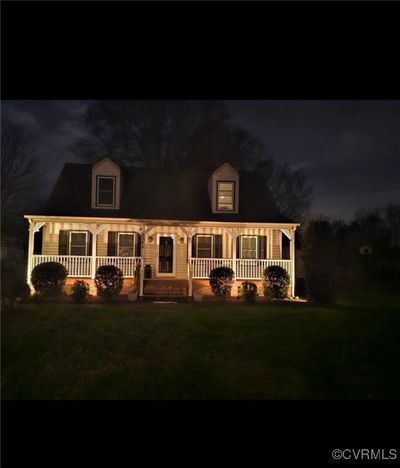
[203, 286]
[127, 287]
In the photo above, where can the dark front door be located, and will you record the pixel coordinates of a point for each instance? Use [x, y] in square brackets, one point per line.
[166, 255]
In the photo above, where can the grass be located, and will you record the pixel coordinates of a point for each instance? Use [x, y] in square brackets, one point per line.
[204, 351]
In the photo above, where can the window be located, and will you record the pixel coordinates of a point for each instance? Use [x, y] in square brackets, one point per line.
[248, 246]
[105, 191]
[225, 195]
[78, 243]
[204, 246]
[126, 244]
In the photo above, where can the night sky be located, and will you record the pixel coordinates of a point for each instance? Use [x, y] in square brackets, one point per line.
[350, 149]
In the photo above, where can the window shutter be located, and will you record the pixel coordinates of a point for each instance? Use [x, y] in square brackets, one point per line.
[112, 244]
[238, 251]
[218, 246]
[194, 243]
[138, 245]
[262, 247]
[63, 242]
[89, 243]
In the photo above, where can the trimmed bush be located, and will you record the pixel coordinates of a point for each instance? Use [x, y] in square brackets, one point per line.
[48, 278]
[80, 291]
[249, 291]
[221, 281]
[14, 288]
[276, 282]
[109, 281]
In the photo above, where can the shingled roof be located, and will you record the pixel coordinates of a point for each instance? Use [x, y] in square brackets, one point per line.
[161, 194]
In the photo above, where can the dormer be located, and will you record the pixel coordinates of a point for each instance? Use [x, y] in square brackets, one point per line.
[106, 185]
[223, 187]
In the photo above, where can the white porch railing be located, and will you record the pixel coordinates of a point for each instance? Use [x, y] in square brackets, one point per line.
[243, 268]
[126, 264]
[80, 266]
[201, 267]
[77, 265]
[254, 269]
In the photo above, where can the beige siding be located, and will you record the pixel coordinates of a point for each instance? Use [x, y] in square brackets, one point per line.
[276, 244]
[102, 237]
[51, 236]
[51, 232]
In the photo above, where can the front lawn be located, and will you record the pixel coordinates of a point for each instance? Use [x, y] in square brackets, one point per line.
[203, 351]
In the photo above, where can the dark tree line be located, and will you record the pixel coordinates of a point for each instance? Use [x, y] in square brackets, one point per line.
[360, 253]
[189, 135]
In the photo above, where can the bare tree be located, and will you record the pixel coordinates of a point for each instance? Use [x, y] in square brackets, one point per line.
[290, 188]
[186, 134]
[20, 174]
[143, 133]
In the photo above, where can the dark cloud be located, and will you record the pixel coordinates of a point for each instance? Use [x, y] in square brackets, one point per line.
[350, 149]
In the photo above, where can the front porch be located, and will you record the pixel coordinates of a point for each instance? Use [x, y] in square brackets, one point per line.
[176, 252]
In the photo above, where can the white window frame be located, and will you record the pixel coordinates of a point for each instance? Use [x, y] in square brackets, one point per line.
[113, 178]
[134, 242]
[197, 244]
[70, 243]
[233, 183]
[241, 246]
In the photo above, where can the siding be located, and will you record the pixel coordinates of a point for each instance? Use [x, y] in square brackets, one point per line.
[276, 244]
[51, 236]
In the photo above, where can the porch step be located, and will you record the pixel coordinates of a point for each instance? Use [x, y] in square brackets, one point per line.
[160, 287]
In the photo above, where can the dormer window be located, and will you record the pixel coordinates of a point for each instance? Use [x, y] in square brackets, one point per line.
[105, 191]
[225, 195]
[106, 185]
[223, 188]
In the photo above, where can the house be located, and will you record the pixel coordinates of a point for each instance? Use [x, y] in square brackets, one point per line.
[165, 229]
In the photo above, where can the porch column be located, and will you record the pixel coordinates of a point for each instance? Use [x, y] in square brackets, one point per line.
[234, 233]
[189, 256]
[141, 275]
[94, 250]
[33, 227]
[30, 252]
[95, 229]
[143, 231]
[292, 265]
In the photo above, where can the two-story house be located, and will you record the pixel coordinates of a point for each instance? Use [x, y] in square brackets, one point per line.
[175, 225]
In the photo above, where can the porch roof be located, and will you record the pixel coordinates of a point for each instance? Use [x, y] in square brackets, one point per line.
[160, 194]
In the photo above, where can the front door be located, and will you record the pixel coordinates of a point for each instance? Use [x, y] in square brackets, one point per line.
[166, 255]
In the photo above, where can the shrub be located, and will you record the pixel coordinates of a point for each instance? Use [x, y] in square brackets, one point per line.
[48, 278]
[109, 281]
[249, 291]
[221, 281]
[276, 282]
[80, 291]
[14, 288]
[318, 258]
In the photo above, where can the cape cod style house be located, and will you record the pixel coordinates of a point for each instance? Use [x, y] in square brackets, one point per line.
[165, 229]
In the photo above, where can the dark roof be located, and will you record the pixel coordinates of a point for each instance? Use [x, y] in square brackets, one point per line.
[160, 194]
